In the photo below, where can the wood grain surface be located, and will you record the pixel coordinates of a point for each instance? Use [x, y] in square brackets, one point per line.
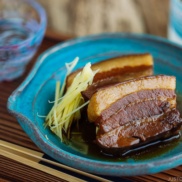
[11, 131]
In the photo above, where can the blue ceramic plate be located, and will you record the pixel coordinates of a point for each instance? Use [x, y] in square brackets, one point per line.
[32, 96]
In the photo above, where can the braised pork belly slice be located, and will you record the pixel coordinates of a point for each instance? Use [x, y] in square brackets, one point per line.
[135, 112]
[135, 106]
[104, 98]
[119, 69]
[113, 79]
[140, 132]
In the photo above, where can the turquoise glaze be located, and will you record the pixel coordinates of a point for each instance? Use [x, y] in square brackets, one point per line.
[32, 96]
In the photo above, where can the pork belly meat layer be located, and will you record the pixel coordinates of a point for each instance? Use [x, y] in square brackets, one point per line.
[138, 132]
[139, 105]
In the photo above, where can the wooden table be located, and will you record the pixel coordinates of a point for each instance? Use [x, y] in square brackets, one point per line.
[11, 131]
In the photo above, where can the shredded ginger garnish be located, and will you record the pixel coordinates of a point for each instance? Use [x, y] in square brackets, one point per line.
[67, 107]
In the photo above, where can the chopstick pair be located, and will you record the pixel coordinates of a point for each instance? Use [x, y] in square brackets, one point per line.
[32, 158]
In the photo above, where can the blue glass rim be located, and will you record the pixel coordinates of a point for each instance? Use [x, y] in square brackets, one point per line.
[42, 26]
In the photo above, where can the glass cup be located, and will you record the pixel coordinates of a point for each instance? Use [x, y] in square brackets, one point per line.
[175, 21]
[22, 27]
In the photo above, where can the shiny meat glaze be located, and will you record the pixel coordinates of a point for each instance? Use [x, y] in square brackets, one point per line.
[138, 132]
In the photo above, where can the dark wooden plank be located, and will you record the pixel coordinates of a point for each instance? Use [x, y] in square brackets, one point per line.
[4, 180]
[149, 178]
[140, 179]
[12, 131]
[173, 172]
[162, 176]
[179, 168]
[54, 35]
[9, 121]
[23, 173]
[18, 140]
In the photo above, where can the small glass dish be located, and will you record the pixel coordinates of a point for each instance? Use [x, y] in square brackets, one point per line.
[22, 27]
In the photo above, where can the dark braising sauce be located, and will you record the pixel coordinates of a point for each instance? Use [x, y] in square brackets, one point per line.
[82, 141]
